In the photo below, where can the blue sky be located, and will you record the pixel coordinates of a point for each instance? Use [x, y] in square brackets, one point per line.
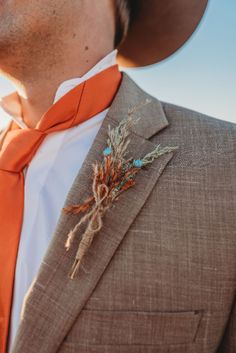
[201, 75]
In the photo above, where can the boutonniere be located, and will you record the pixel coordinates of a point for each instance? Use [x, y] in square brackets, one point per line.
[111, 177]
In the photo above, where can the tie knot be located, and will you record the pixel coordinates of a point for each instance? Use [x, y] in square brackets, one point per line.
[81, 103]
[18, 148]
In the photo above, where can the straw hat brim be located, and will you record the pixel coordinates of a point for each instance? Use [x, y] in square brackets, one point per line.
[158, 28]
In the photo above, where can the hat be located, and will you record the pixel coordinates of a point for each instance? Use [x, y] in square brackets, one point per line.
[158, 28]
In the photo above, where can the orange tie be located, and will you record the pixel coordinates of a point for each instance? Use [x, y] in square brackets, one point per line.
[19, 147]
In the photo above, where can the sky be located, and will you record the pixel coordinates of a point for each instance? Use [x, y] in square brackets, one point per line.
[201, 75]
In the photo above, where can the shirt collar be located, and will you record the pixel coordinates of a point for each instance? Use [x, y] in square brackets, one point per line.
[11, 104]
[103, 64]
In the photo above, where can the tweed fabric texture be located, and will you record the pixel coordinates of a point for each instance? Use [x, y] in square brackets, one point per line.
[160, 276]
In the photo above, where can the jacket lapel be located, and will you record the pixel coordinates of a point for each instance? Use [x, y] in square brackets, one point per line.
[54, 301]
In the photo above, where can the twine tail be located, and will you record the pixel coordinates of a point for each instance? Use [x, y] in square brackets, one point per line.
[72, 234]
[70, 238]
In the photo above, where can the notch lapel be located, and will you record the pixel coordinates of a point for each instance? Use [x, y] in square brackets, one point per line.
[54, 301]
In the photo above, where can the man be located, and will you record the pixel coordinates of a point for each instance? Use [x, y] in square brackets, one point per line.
[160, 275]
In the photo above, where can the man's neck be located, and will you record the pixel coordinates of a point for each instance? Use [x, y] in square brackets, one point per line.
[37, 94]
[71, 40]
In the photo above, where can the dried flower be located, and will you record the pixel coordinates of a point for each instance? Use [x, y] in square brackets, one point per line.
[114, 175]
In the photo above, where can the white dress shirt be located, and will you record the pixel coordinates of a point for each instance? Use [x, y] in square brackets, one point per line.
[48, 179]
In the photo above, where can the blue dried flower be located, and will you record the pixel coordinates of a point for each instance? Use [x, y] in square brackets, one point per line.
[107, 151]
[137, 163]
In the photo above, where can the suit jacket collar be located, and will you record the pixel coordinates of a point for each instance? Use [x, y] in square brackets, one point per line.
[54, 301]
[130, 95]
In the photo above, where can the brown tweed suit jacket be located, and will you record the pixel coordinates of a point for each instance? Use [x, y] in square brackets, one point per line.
[160, 277]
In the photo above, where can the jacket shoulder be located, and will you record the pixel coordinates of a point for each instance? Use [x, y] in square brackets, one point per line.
[202, 139]
[178, 114]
